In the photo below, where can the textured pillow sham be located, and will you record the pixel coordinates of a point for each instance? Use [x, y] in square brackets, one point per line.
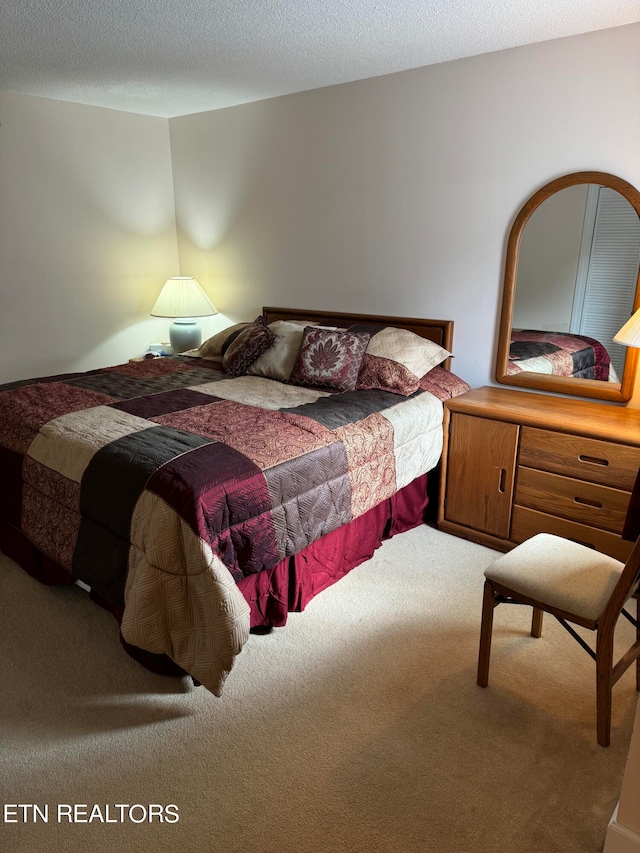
[329, 358]
[213, 348]
[443, 384]
[277, 362]
[246, 346]
[386, 375]
[396, 360]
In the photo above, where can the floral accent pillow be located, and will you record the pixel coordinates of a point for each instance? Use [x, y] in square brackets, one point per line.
[329, 358]
[246, 346]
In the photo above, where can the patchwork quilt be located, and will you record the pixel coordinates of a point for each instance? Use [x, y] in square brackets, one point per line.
[559, 354]
[161, 483]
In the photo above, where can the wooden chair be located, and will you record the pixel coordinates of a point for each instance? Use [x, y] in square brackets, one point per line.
[577, 585]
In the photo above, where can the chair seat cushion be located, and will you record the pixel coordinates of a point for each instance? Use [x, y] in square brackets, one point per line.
[560, 573]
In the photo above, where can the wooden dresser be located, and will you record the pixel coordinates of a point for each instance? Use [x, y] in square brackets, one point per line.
[515, 464]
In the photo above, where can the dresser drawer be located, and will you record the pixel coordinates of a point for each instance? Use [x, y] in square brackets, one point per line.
[589, 503]
[603, 462]
[527, 522]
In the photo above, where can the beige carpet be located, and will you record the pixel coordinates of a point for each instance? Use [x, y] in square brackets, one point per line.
[358, 727]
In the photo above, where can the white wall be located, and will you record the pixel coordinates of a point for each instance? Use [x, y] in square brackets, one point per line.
[391, 195]
[396, 194]
[87, 235]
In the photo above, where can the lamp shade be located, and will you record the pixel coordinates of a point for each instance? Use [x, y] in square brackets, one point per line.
[183, 299]
[182, 296]
[629, 334]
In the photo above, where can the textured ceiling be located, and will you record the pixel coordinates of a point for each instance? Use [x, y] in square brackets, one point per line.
[174, 57]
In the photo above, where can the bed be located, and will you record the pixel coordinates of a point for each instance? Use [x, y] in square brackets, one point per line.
[200, 496]
[560, 354]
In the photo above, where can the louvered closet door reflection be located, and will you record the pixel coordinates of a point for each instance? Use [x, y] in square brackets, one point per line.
[608, 271]
[481, 471]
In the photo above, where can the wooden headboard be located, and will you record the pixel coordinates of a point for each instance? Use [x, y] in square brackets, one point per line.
[440, 331]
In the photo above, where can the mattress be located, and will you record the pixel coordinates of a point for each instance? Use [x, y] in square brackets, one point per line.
[559, 354]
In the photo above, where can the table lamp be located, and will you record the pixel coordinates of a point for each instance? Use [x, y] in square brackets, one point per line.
[183, 299]
[629, 334]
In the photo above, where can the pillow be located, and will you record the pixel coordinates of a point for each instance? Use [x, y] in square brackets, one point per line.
[279, 359]
[386, 375]
[214, 346]
[443, 384]
[246, 346]
[396, 360]
[329, 358]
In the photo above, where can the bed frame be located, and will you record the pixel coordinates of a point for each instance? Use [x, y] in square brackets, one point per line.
[439, 331]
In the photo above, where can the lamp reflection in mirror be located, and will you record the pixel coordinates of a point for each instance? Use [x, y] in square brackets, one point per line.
[629, 334]
[183, 299]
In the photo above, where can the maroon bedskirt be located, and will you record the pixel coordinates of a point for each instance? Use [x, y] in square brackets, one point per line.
[272, 593]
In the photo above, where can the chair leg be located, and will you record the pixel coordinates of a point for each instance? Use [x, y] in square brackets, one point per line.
[604, 684]
[536, 622]
[486, 628]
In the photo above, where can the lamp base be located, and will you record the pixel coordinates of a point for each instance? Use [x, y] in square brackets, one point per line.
[185, 334]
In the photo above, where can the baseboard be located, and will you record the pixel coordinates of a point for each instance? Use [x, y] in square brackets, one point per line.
[621, 839]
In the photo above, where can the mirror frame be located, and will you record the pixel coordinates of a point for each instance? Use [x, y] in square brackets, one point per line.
[620, 392]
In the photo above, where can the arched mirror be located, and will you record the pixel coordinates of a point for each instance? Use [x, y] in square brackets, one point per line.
[571, 282]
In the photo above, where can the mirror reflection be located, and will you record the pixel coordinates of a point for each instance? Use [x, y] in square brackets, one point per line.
[570, 283]
[575, 285]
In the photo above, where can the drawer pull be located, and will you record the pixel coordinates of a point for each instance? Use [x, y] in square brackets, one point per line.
[501, 481]
[587, 502]
[593, 460]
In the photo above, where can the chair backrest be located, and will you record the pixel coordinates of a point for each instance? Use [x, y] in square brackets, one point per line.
[629, 580]
[631, 528]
